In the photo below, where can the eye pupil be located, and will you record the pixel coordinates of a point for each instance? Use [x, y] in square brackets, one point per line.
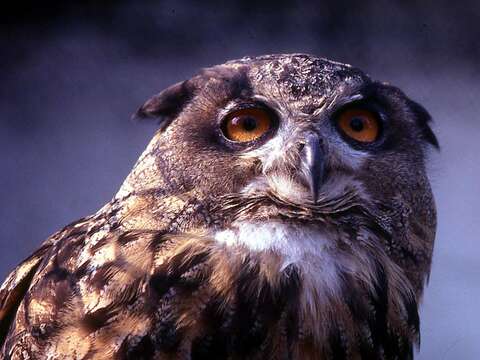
[357, 124]
[249, 123]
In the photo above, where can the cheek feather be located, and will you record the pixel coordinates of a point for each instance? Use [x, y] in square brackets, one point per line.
[277, 150]
[342, 156]
[283, 186]
[286, 187]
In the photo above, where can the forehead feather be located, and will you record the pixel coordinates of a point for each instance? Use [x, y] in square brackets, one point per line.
[299, 76]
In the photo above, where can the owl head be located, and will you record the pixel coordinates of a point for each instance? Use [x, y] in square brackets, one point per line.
[295, 140]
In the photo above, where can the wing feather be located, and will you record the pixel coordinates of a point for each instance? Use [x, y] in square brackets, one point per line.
[16, 286]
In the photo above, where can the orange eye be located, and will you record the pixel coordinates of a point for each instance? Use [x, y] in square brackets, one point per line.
[247, 124]
[360, 125]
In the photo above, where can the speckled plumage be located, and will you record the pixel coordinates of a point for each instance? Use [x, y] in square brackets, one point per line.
[217, 252]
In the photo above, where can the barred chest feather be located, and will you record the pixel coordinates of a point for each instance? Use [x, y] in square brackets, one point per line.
[255, 291]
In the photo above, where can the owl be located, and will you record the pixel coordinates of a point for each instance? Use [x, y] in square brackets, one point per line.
[281, 211]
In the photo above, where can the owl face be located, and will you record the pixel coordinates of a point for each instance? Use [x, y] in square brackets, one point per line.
[302, 141]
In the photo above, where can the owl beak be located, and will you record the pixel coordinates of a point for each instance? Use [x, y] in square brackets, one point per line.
[312, 164]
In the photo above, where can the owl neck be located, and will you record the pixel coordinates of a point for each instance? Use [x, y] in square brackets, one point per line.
[150, 200]
[146, 174]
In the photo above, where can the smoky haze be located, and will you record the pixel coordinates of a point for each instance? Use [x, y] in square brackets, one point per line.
[71, 76]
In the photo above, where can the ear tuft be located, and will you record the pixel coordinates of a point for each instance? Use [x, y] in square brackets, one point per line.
[166, 105]
[424, 120]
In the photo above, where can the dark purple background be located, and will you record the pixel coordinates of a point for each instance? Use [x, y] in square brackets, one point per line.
[71, 75]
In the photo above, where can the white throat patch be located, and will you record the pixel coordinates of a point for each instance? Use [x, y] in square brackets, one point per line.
[308, 248]
[291, 241]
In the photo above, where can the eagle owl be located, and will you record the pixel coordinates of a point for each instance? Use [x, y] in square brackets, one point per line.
[281, 211]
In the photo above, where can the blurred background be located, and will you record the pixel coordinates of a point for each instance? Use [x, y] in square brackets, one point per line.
[71, 75]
